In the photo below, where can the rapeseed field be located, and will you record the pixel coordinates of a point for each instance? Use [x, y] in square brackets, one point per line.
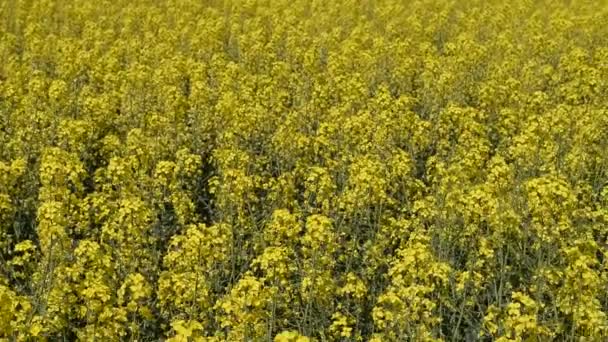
[303, 170]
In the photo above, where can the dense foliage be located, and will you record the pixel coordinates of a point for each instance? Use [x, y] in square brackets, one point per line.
[301, 170]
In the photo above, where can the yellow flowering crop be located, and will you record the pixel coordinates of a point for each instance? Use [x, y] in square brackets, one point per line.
[303, 170]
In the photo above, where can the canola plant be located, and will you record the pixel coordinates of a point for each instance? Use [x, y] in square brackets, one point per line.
[303, 170]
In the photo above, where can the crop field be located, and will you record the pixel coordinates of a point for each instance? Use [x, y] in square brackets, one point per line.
[303, 170]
